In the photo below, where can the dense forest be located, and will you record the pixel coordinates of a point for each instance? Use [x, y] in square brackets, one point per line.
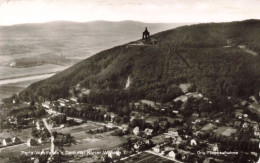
[207, 55]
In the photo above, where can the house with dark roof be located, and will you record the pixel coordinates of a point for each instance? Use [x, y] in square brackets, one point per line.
[7, 141]
[31, 142]
[149, 142]
[16, 140]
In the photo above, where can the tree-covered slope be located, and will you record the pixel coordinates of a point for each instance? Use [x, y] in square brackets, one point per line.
[218, 58]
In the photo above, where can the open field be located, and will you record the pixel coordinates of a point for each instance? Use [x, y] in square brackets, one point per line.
[41, 60]
[17, 83]
[84, 141]
[207, 127]
[83, 127]
[18, 149]
[7, 72]
[158, 139]
[14, 80]
[89, 141]
[23, 135]
[226, 131]
[7, 90]
[146, 158]
[106, 142]
[12, 151]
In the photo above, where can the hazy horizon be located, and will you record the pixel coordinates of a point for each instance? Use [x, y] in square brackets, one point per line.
[147, 11]
[93, 21]
[121, 21]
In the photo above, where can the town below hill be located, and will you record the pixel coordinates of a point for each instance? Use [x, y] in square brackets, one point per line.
[190, 94]
[187, 129]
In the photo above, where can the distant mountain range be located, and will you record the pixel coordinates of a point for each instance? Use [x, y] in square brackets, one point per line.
[219, 59]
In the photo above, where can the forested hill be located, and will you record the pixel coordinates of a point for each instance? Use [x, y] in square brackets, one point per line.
[218, 58]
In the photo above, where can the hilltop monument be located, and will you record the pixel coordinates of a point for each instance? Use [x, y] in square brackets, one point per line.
[146, 35]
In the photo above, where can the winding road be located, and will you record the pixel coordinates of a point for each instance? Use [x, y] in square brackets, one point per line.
[52, 137]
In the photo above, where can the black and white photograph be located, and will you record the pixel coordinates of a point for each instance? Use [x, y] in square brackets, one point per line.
[129, 81]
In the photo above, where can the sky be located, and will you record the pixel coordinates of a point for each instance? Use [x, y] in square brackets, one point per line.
[152, 11]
